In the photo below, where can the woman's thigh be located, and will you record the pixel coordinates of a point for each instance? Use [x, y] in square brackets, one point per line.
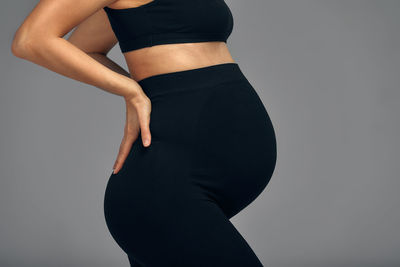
[185, 233]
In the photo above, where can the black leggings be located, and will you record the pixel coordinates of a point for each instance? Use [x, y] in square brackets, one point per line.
[213, 152]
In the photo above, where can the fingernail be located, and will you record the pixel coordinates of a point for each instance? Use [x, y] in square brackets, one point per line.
[146, 142]
[113, 171]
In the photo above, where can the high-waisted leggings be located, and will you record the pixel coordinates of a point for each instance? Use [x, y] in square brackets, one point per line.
[213, 152]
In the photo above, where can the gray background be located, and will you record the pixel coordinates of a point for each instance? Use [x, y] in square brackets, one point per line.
[328, 74]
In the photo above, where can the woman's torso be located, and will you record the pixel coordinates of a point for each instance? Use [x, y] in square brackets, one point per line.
[166, 58]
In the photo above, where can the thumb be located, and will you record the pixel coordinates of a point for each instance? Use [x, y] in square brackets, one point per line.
[145, 130]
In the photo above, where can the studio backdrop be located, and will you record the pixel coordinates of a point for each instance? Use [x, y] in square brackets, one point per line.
[327, 71]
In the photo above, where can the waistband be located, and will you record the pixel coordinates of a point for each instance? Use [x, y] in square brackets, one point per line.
[213, 75]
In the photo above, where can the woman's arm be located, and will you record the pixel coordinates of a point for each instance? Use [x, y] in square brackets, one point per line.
[96, 37]
[109, 63]
[40, 40]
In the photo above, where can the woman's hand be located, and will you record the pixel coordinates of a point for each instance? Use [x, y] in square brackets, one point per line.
[138, 109]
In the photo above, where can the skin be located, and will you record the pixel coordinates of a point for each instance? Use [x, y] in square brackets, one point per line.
[83, 56]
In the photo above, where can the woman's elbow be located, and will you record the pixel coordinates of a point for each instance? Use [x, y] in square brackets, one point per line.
[22, 47]
[24, 43]
[18, 48]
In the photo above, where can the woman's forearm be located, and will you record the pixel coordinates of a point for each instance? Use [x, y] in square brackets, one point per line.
[59, 55]
[106, 61]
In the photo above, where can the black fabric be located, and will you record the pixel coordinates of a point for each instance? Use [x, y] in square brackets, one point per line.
[213, 152]
[171, 21]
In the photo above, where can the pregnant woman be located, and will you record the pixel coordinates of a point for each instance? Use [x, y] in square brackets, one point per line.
[198, 143]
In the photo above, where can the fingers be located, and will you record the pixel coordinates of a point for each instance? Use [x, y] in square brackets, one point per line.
[137, 118]
[123, 153]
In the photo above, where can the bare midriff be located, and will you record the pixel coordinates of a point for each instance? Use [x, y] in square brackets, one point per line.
[160, 59]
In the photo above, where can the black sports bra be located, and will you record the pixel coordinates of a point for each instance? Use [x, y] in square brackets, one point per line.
[170, 21]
